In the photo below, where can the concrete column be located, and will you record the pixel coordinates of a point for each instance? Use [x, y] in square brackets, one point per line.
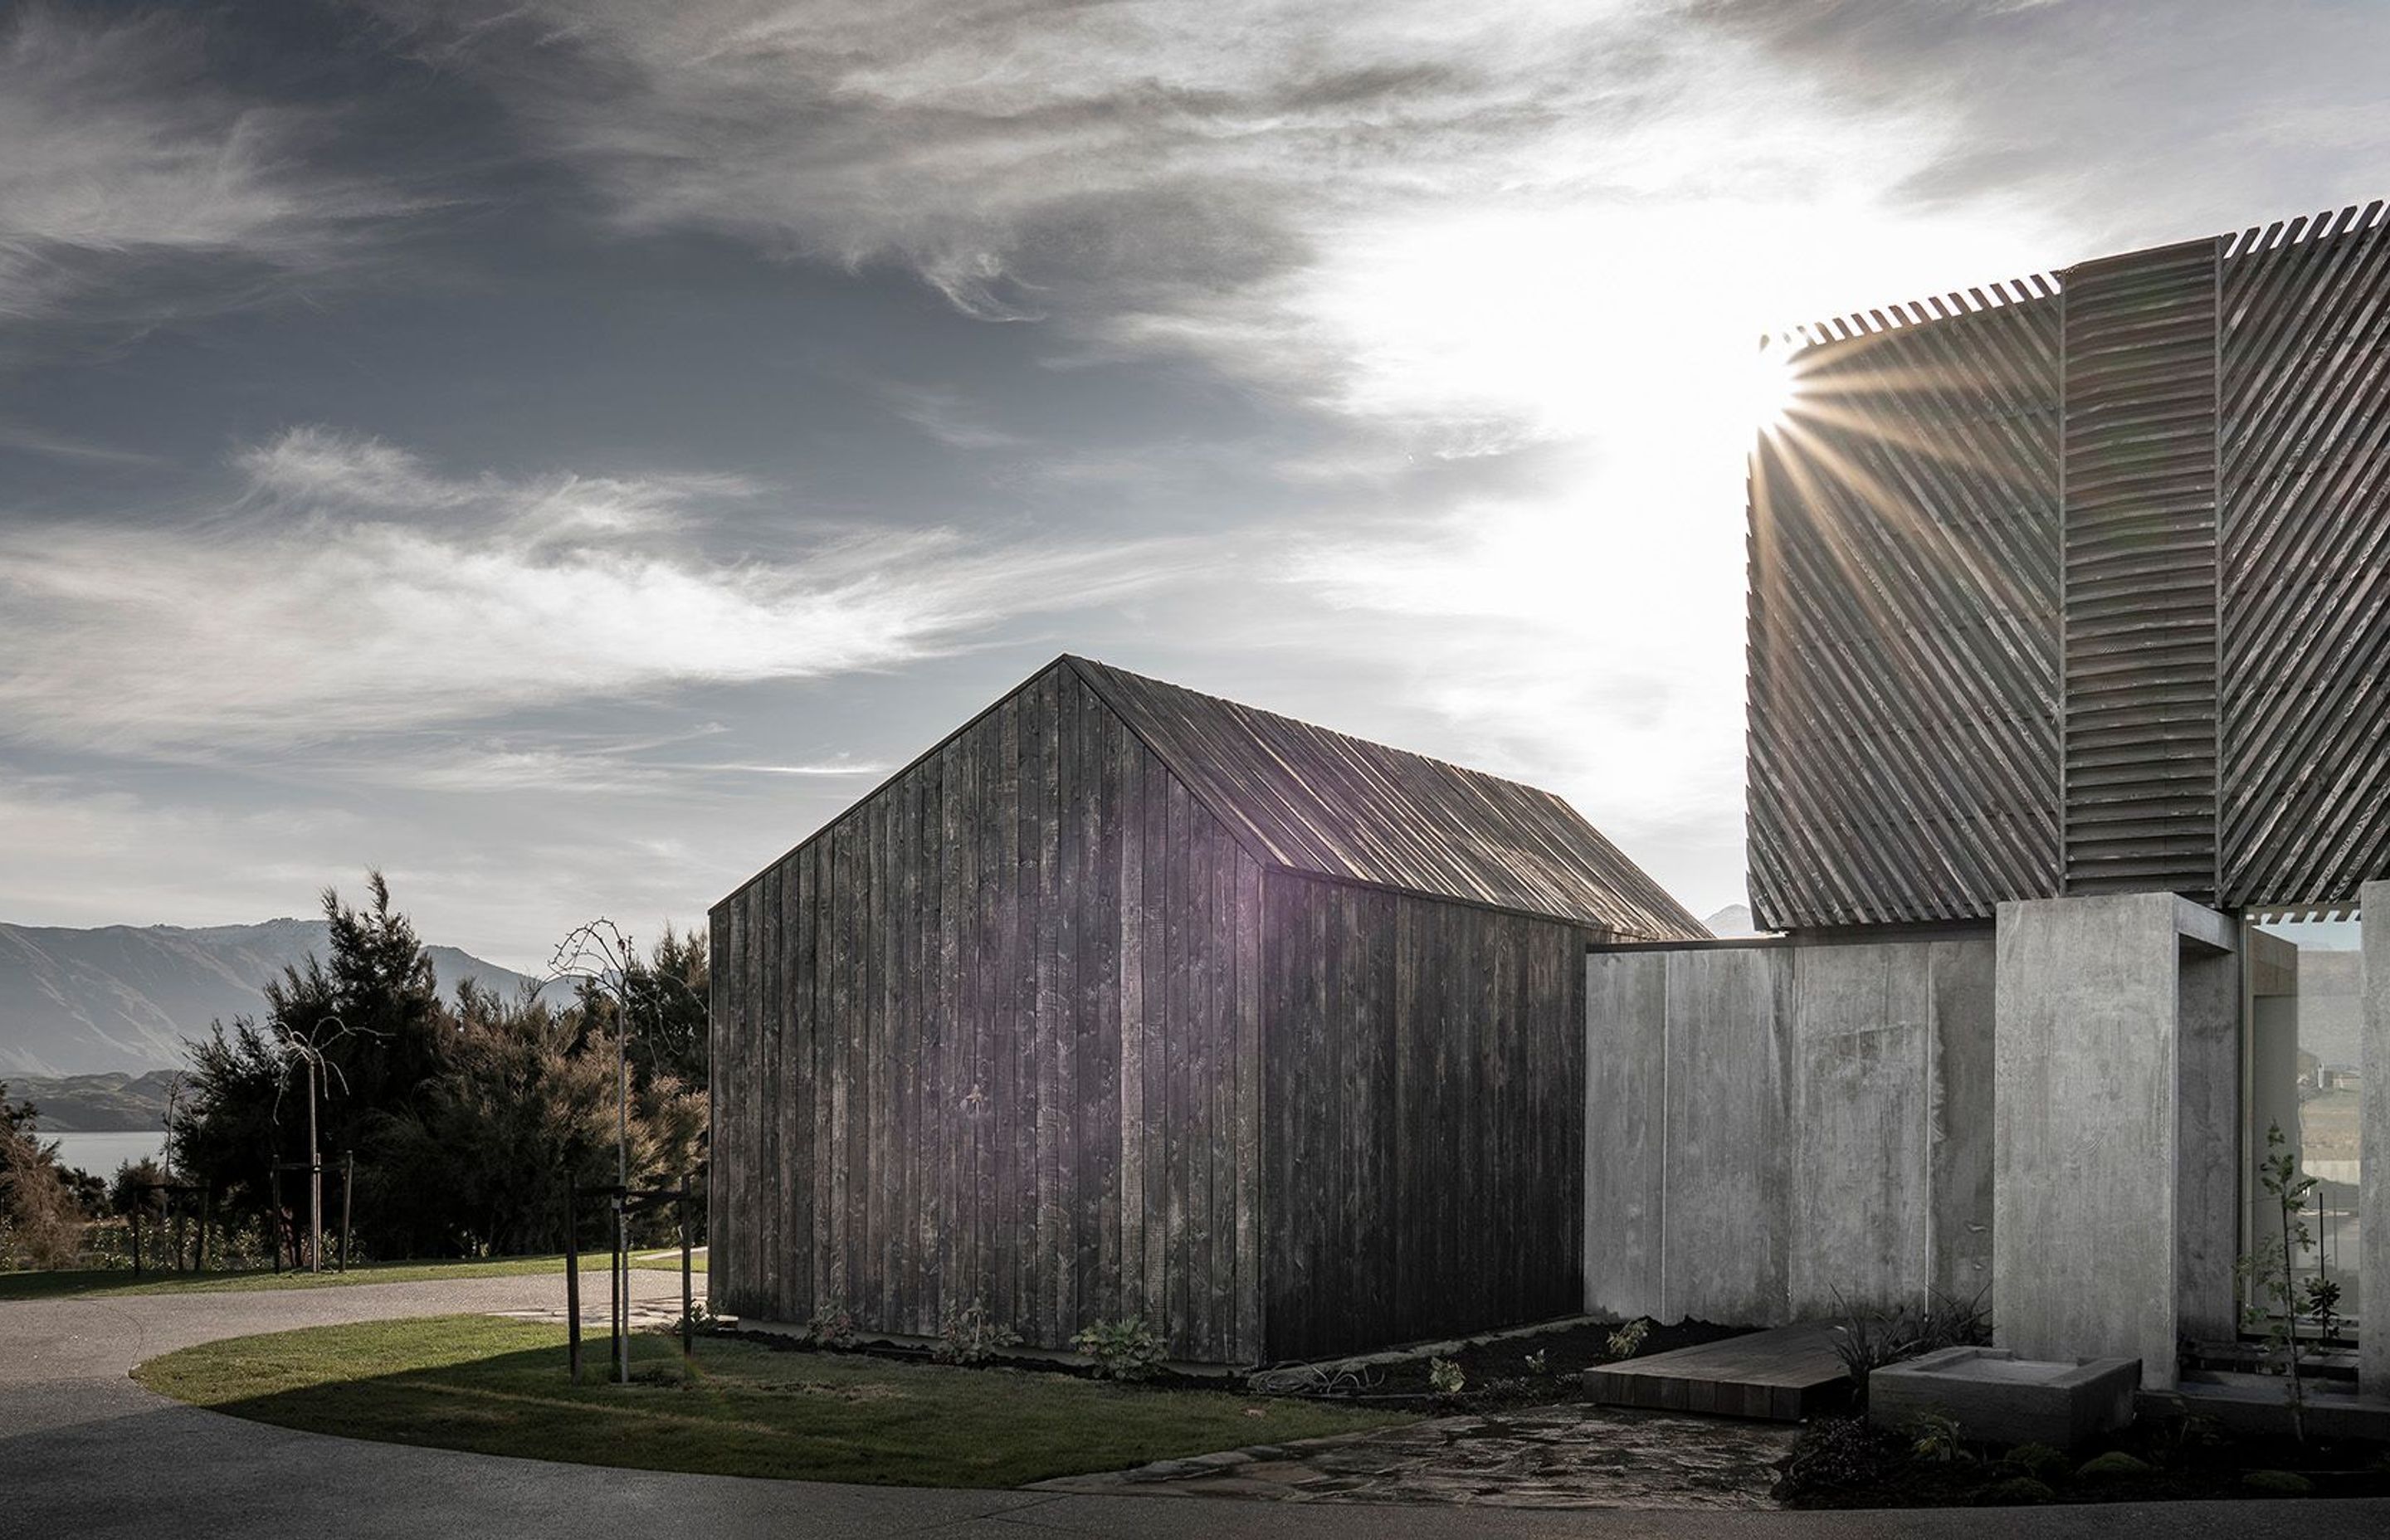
[2116, 1137]
[2374, 1124]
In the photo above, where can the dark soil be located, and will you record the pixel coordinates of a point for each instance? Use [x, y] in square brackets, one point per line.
[1495, 1374]
[1842, 1463]
[1498, 1373]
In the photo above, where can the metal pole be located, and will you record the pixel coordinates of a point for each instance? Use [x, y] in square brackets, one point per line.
[572, 1277]
[348, 1185]
[622, 1174]
[315, 1179]
[615, 1347]
[687, 1297]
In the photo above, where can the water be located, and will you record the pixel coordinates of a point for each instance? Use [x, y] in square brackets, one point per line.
[101, 1153]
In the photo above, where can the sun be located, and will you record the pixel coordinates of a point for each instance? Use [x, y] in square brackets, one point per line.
[1772, 388]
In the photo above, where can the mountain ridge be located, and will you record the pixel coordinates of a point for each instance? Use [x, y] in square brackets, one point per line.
[122, 998]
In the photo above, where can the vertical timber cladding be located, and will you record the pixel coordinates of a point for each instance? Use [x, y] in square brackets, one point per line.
[992, 1033]
[2140, 485]
[2304, 550]
[1426, 1117]
[1904, 659]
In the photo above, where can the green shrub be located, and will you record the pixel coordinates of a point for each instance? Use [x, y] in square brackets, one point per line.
[2278, 1483]
[2040, 1461]
[1837, 1453]
[1627, 1341]
[1539, 1362]
[1935, 1438]
[832, 1325]
[969, 1335]
[2115, 1465]
[1128, 1351]
[1443, 1376]
[2019, 1490]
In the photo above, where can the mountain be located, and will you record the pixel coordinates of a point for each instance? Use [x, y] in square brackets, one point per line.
[1732, 920]
[113, 1103]
[122, 998]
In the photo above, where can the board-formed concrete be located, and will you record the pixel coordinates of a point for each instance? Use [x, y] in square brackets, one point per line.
[2373, 1131]
[1775, 1128]
[2116, 1142]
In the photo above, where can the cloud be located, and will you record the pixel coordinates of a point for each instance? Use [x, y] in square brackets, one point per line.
[118, 151]
[352, 588]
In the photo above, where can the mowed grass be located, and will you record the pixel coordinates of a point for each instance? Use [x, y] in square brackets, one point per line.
[116, 1281]
[499, 1387]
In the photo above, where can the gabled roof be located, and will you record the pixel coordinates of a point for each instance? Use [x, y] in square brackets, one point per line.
[1314, 801]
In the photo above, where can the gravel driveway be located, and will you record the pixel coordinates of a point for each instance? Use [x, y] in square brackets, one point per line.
[85, 1452]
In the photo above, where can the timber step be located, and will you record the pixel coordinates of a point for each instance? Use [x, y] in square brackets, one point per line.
[1785, 1375]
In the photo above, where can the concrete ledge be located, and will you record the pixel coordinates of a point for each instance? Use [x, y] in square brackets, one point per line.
[2258, 1403]
[1993, 1394]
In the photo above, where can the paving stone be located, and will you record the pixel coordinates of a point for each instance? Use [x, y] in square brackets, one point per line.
[1547, 1456]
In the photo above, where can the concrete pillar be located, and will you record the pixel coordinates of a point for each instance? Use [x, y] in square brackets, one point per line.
[2374, 1124]
[2116, 1128]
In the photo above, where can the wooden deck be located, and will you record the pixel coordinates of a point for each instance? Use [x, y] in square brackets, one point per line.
[1785, 1375]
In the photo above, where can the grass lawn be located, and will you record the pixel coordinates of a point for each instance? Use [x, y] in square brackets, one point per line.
[108, 1282]
[499, 1387]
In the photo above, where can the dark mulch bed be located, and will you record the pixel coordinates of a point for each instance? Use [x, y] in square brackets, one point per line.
[1841, 1463]
[1495, 1374]
[1506, 1372]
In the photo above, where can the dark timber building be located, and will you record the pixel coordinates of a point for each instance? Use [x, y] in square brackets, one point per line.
[1129, 1002]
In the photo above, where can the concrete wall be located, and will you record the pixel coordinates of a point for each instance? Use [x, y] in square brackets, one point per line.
[1769, 1125]
[2116, 1142]
[2374, 1114]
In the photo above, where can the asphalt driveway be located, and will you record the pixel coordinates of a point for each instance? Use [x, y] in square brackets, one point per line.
[85, 1452]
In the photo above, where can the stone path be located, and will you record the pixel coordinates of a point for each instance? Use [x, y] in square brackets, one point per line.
[1541, 1456]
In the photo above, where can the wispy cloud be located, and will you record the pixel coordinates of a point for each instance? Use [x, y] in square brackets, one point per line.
[351, 588]
[117, 151]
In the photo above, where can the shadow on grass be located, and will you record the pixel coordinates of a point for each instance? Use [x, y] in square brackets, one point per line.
[500, 1388]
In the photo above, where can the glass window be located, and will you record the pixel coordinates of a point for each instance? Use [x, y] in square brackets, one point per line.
[2306, 992]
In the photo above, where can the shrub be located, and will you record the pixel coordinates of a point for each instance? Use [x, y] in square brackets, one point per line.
[832, 1325]
[2019, 1490]
[1539, 1362]
[1128, 1351]
[969, 1335]
[2039, 1460]
[1627, 1341]
[2278, 1483]
[1933, 1436]
[1837, 1453]
[2115, 1465]
[1443, 1376]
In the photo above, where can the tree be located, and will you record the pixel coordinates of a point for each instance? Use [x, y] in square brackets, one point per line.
[41, 1221]
[370, 1013]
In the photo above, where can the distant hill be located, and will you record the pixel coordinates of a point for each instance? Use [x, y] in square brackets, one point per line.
[1732, 920]
[122, 998]
[113, 1103]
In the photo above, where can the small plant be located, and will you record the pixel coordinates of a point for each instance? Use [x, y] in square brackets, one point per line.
[1627, 1341]
[1443, 1376]
[2042, 1462]
[832, 1325]
[1836, 1454]
[2323, 1307]
[1933, 1437]
[1539, 1362]
[1123, 1350]
[1948, 1321]
[970, 1336]
[700, 1318]
[2270, 1295]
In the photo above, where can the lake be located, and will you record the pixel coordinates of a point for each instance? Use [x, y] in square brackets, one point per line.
[101, 1153]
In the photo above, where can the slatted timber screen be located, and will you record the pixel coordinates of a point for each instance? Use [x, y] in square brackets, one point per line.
[992, 1037]
[1904, 657]
[2141, 620]
[2306, 559]
[1426, 1120]
[2185, 628]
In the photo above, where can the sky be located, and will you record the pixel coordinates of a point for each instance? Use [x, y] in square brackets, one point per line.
[559, 454]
